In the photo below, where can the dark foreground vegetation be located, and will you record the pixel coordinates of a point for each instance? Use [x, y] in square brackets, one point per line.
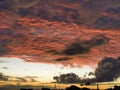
[68, 88]
[75, 88]
[72, 87]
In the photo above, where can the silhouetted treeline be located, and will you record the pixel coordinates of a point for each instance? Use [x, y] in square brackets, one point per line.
[115, 88]
[41, 89]
[72, 87]
[76, 88]
[35, 89]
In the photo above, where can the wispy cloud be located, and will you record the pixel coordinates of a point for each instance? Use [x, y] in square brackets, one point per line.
[4, 67]
[18, 79]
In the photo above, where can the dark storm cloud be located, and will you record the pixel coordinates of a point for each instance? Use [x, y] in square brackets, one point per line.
[108, 69]
[84, 46]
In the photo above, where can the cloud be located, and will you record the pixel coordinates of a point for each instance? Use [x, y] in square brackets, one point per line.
[91, 74]
[3, 77]
[16, 79]
[32, 44]
[63, 59]
[31, 78]
[84, 46]
[108, 69]
[14, 5]
[3, 49]
[4, 41]
[67, 78]
[109, 20]
[3, 5]
[4, 67]
[97, 41]
[22, 79]
[76, 48]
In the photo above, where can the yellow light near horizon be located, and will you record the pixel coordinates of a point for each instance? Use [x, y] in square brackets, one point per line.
[102, 86]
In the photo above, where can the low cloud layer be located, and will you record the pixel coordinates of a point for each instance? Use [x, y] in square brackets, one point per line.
[16, 79]
[22, 79]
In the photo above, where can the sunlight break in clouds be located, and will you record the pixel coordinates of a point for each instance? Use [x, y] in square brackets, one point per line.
[44, 72]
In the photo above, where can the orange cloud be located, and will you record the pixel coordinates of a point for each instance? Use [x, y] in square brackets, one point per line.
[38, 40]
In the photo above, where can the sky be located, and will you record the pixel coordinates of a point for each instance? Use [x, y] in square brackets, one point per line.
[44, 72]
[45, 39]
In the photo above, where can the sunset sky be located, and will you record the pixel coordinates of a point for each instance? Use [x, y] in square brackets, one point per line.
[45, 72]
[40, 39]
